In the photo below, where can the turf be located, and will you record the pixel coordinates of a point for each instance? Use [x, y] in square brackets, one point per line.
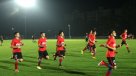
[74, 64]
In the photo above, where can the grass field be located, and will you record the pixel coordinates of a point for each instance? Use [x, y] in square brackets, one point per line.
[74, 64]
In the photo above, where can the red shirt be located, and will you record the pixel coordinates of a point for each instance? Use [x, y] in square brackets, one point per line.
[60, 43]
[16, 42]
[112, 43]
[124, 36]
[92, 39]
[42, 42]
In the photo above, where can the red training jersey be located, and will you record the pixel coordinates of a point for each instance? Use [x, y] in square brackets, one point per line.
[16, 42]
[60, 43]
[124, 36]
[112, 43]
[42, 42]
[92, 39]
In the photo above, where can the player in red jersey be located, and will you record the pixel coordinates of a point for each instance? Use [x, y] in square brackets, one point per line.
[42, 44]
[16, 45]
[111, 52]
[92, 40]
[87, 45]
[60, 48]
[124, 37]
[91, 44]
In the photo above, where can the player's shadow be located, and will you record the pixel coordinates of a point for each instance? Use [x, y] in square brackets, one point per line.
[73, 55]
[30, 61]
[49, 67]
[74, 72]
[6, 62]
[5, 67]
[30, 57]
[64, 70]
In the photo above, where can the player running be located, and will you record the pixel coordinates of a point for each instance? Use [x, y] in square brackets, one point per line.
[124, 37]
[60, 47]
[42, 44]
[91, 44]
[92, 40]
[87, 45]
[111, 52]
[17, 54]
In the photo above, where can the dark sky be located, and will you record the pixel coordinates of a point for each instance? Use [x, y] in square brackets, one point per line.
[51, 16]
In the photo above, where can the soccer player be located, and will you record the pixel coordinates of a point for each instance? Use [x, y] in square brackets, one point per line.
[111, 52]
[16, 46]
[42, 44]
[33, 38]
[60, 47]
[92, 40]
[86, 37]
[124, 37]
[87, 45]
[1, 40]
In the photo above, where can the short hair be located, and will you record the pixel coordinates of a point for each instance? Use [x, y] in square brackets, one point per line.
[60, 32]
[41, 33]
[15, 33]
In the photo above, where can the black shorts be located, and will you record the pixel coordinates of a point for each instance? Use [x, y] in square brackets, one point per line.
[92, 47]
[17, 55]
[111, 61]
[42, 54]
[86, 39]
[123, 42]
[60, 53]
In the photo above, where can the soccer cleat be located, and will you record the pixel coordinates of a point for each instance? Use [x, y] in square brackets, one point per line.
[94, 57]
[101, 63]
[115, 67]
[38, 67]
[82, 52]
[16, 70]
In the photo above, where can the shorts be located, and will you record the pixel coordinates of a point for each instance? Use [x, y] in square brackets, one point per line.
[60, 53]
[111, 61]
[17, 55]
[92, 47]
[42, 54]
[123, 42]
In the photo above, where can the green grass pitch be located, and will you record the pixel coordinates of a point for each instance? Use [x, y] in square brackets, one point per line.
[74, 64]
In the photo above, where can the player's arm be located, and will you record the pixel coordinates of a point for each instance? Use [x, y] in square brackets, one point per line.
[39, 44]
[14, 47]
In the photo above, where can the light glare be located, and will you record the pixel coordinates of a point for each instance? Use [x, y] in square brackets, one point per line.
[26, 3]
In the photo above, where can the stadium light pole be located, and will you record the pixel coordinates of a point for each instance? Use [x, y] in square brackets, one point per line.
[69, 26]
[26, 4]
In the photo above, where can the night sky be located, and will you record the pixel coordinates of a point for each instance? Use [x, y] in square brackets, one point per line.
[50, 16]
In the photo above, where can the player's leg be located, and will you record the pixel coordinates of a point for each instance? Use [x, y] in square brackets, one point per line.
[16, 62]
[122, 43]
[111, 65]
[55, 55]
[20, 57]
[45, 54]
[94, 51]
[61, 57]
[85, 48]
[40, 60]
[127, 46]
